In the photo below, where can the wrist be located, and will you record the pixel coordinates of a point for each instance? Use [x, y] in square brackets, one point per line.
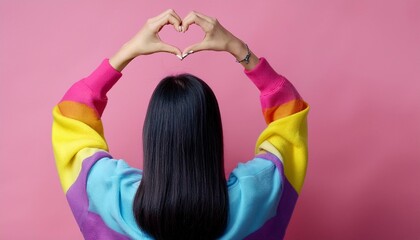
[127, 51]
[122, 58]
[238, 49]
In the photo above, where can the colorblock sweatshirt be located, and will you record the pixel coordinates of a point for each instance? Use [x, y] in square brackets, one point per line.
[100, 189]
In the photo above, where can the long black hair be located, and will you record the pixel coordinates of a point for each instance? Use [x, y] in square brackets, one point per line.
[183, 192]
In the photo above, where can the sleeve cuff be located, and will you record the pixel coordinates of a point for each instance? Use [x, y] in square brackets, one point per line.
[103, 78]
[264, 76]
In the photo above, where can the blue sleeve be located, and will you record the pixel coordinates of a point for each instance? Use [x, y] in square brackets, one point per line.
[111, 187]
[254, 189]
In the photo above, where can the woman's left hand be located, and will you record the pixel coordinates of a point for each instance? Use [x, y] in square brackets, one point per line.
[147, 40]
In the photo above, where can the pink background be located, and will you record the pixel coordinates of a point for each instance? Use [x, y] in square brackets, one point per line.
[356, 63]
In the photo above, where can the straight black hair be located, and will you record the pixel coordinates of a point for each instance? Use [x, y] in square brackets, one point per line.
[183, 191]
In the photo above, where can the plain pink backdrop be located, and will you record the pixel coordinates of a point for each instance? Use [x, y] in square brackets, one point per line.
[356, 62]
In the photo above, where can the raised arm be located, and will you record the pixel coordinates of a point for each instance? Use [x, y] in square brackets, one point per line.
[272, 181]
[283, 108]
[285, 113]
[92, 180]
[77, 132]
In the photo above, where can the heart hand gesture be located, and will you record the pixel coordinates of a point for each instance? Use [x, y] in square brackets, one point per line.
[147, 40]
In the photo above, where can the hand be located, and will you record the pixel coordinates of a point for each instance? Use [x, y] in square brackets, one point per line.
[147, 40]
[216, 38]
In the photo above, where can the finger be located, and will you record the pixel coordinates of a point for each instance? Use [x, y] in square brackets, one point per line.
[169, 19]
[172, 13]
[166, 12]
[163, 17]
[207, 18]
[193, 18]
[176, 22]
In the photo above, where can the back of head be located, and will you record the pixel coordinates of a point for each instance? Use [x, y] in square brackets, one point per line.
[183, 192]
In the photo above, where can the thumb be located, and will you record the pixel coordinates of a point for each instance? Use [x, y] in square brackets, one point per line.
[193, 48]
[170, 49]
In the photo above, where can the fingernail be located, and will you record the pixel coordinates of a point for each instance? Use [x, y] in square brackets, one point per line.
[180, 57]
[180, 28]
[186, 54]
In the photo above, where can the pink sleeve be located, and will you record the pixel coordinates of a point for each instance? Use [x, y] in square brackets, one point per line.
[279, 98]
[92, 89]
